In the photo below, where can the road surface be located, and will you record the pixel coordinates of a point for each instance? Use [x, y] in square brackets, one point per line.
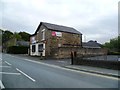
[19, 72]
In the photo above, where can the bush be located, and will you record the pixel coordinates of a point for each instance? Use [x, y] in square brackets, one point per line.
[113, 53]
[17, 50]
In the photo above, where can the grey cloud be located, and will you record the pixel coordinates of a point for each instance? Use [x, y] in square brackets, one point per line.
[84, 15]
[102, 30]
[16, 27]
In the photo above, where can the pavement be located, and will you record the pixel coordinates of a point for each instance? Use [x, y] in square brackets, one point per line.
[102, 71]
[66, 63]
[22, 71]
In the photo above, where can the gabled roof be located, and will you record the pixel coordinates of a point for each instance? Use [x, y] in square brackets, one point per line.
[22, 43]
[91, 44]
[58, 28]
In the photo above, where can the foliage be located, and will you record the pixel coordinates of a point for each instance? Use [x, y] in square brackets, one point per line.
[113, 53]
[17, 36]
[1, 37]
[6, 35]
[114, 44]
[9, 39]
[25, 36]
[17, 49]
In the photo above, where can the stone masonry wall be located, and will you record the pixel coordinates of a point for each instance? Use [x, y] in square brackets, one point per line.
[66, 52]
[67, 40]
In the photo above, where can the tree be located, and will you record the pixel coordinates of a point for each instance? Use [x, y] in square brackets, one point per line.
[17, 36]
[6, 35]
[114, 44]
[1, 36]
[25, 36]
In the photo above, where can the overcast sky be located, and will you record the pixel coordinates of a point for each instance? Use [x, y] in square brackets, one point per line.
[95, 19]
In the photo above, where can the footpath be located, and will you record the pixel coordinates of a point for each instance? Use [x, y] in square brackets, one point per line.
[66, 63]
[96, 70]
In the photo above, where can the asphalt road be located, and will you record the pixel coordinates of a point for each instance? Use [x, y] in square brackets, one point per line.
[19, 72]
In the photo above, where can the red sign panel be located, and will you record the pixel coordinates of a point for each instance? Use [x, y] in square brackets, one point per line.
[53, 33]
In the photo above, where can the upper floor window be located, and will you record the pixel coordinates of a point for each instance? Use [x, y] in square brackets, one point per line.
[43, 34]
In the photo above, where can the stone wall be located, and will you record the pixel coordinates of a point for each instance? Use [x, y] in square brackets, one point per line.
[67, 40]
[97, 63]
[55, 42]
[64, 52]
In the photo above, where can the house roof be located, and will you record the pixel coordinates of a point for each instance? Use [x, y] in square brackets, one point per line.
[58, 28]
[91, 44]
[22, 43]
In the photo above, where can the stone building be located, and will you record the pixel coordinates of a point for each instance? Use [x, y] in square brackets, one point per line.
[91, 44]
[49, 39]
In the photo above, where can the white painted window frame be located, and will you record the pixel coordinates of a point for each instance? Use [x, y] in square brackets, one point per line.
[43, 53]
[43, 34]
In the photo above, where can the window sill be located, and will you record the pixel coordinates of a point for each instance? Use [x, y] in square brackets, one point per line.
[43, 40]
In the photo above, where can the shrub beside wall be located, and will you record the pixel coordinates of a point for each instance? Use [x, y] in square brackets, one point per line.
[113, 53]
[17, 50]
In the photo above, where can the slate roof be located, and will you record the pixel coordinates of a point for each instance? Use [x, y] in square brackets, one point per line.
[58, 28]
[22, 43]
[91, 44]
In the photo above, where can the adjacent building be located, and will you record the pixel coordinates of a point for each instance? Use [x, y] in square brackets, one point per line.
[91, 44]
[51, 40]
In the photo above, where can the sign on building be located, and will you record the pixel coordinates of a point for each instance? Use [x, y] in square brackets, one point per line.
[53, 33]
[59, 34]
[33, 40]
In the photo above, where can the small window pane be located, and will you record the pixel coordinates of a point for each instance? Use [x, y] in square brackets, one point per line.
[40, 48]
[33, 48]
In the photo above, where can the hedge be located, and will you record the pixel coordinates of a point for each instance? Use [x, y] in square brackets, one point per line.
[113, 53]
[17, 50]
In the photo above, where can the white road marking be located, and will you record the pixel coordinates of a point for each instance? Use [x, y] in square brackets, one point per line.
[27, 59]
[25, 75]
[10, 55]
[1, 85]
[110, 77]
[9, 73]
[61, 61]
[5, 66]
[93, 74]
[8, 63]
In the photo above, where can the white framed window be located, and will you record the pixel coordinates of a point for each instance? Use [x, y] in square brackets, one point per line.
[43, 34]
[33, 48]
[43, 30]
[40, 48]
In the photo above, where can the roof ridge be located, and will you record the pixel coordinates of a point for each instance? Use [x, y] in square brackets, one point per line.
[57, 25]
[61, 28]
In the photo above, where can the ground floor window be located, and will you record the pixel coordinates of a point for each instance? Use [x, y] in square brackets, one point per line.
[40, 48]
[33, 48]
